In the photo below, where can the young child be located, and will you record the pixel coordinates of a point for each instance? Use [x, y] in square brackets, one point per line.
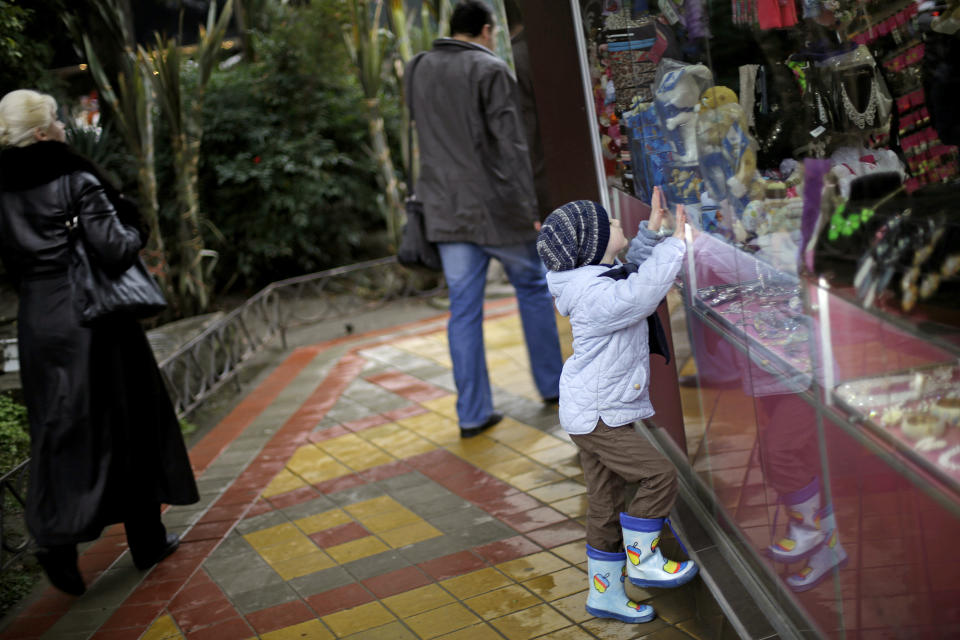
[604, 388]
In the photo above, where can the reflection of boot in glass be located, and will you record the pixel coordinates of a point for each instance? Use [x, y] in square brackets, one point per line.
[825, 558]
[804, 531]
[607, 598]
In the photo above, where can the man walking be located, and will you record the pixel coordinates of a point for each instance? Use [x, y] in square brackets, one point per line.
[477, 188]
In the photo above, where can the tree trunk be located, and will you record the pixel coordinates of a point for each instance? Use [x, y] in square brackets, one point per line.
[388, 178]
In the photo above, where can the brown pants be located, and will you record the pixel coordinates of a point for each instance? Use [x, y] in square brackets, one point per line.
[611, 457]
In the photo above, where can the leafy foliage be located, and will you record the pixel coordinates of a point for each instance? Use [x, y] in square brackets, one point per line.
[14, 436]
[284, 176]
[26, 46]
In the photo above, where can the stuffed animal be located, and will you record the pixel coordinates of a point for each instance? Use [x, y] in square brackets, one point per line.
[728, 159]
[676, 98]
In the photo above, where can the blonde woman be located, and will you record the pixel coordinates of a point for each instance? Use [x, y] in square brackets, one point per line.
[104, 439]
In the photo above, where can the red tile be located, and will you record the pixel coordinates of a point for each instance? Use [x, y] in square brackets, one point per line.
[29, 627]
[280, 616]
[455, 564]
[446, 470]
[533, 519]
[96, 562]
[385, 471]
[154, 592]
[132, 615]
[509, 504]
[198, 591]
[404, 412]
[557, 534]
[291, 498]
[391, 380]
[194, 549]
[107, 544]
[218, 513]
[209, 531]
[234, 495]
[51, 601]
[339, 534]
[341, 483]
[213, 612]
[326, 434]
[232, 629]
[430, 458]
[398, 581]
[509, 549]
[338, 599]
[488, 494]
[130, 633]
[365, 423]
[259, 507]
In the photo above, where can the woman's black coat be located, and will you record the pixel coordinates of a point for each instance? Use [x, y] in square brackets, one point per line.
[104, 437]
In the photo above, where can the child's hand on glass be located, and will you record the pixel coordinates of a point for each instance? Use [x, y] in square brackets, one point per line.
[658, 210]
[681, 220]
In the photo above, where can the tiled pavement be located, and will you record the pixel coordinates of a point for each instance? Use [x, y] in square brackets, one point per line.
[338, 501]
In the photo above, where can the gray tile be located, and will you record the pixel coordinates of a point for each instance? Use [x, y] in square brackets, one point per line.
[484, 533]
[263, 597]
[422, 494]
[356, 494]
[431, 549]
[225, 567]
[111, 589]
[317, 505]
[360, 390]
[74, 622]
[398, 484]
[262, 521]
[246, 580]
[213, 485]
[461, 519]
[376, 565]
[444, 381]
[347, 410]
[232, 546]
[180, 516]
[428, 370]
[382, 404]
[326, 423]
[437, 507]
[321, 581]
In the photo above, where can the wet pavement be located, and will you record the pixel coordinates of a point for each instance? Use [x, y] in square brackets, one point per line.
[338, 501]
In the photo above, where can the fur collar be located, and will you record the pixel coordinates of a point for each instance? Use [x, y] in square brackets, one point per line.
[39, 163]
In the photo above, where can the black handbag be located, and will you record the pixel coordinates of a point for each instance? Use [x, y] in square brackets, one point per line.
[97, 294]
[415, 250]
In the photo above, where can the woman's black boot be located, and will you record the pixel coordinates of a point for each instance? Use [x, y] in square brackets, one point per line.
[60, 564]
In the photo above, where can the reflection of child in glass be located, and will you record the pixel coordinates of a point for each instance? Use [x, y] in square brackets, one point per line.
[605, 388]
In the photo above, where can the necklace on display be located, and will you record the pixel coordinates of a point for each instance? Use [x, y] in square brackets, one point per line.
[869, 114]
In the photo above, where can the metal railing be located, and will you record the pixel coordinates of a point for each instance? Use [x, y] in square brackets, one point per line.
[211, 359]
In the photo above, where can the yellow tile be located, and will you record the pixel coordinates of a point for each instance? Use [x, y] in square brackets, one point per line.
[292, 549]
[534, 478]
[440, 621]
[283, 482]
[393, 631]
[532, 566]
[572, 507]
[558, 584]
[273, 536]
[444, 405]
[373, 507]
[417, 532]
[355, 452]
[574, 607]
[563, 452]
[325, 469]
[356, 549]
[302, 565]
[434, 427]
[530, 623]
[309, 630]
[558, 491]
[476, 632]
[494, 454]
[417, 601]
[571, 469]
[321, 521]
[366, 616]
[305, 457]
[163, 628]
[392, 519]
[472, 446]
[572, 552]
[569, 633]
[524, 438]
[502, 601]
[511, 468]
[475, 583]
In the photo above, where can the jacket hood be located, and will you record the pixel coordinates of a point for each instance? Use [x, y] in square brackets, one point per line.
[566, 286]
[23, 168]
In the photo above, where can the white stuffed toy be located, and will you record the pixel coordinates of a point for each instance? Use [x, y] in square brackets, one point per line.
[676, 96]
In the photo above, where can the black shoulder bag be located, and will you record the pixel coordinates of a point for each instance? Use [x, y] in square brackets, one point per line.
[415, 250]
[97, 294]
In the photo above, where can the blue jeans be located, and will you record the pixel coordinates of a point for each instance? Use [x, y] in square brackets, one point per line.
[465, 268]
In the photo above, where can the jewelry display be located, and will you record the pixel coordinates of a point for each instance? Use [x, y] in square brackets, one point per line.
[946, 459]
[869, 114]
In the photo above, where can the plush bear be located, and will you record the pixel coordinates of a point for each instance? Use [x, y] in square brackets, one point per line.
[728, 159]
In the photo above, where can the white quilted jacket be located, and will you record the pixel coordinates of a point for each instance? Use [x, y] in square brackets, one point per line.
[608, 374]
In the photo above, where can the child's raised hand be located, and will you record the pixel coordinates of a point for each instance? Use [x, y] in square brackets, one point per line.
[681, 220]
[658, 208]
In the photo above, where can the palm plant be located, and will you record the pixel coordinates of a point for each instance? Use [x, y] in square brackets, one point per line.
[182, 108]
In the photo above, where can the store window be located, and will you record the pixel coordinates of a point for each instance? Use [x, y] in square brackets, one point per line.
[812, 144]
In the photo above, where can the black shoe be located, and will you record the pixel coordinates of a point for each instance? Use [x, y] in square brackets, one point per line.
[60, 565]
[475, 431]
[552, 401]
[172, 542]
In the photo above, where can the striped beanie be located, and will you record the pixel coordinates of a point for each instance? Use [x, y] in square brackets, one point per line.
[574, 235]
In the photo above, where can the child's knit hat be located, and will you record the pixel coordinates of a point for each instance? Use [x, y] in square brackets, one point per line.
[574, 235]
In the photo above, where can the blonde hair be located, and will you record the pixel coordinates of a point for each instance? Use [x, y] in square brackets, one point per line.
[21, 113]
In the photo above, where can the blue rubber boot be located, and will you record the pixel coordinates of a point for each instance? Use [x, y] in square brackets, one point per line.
[606, 598]
[827, 556]
[646, 566]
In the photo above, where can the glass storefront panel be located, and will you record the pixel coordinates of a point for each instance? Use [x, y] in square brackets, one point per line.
[811, 144]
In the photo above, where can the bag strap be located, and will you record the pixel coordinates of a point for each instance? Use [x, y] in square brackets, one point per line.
[413, 65]
[72, 222]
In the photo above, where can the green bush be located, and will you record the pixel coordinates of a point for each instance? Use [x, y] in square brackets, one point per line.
[286, 177]
[14, 434]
